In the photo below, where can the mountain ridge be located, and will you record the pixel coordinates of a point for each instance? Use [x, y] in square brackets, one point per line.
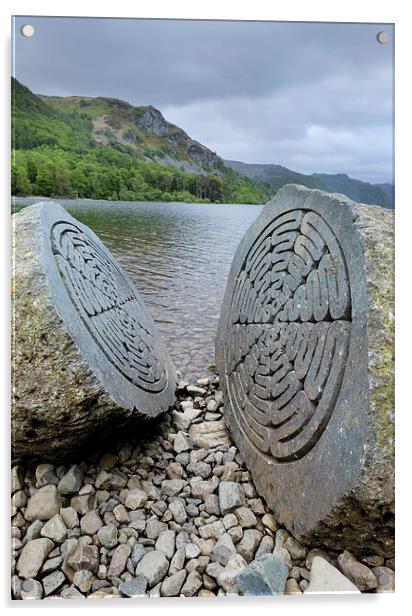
[143, 128]
[101, 148]
[276, 176]
[69, 146]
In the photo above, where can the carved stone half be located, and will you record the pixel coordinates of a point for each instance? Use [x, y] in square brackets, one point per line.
[87, 356]
[304, 350]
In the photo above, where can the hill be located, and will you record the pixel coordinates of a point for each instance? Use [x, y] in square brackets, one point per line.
[144, 129]
[274, 177]
[103, 148]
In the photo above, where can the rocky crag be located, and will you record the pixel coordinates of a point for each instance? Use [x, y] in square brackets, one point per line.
[172, 514]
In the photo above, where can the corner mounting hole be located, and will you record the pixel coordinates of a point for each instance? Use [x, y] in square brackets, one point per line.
[27, 30]
[383, 37]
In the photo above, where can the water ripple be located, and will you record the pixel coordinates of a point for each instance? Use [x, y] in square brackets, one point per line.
[178, 256]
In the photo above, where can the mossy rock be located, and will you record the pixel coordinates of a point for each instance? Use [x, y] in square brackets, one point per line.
[86, 355]
[305, 352]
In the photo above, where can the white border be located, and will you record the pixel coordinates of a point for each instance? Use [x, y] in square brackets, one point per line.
[394, 11]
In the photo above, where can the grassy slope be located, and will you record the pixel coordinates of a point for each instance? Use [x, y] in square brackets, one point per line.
[60, 149]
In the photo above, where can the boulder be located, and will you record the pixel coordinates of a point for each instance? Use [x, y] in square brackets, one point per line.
[87, 356]
[304, 351]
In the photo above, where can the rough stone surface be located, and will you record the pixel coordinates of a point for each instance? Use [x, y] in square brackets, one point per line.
[209, 434]
[83, 579]
[181, 442]
[33, 556]
[136, 499]
[231, 495]
[16, 478]
[172, 585]
[292, 587]
[71, 482]
[108, 535]
[227, 576]
[71, 593]
[266, 575]
[119, 560]
[248, 544]
[45, 474]
[223, 550]
[82, 382]
[324, 578]
[44, 504]
[355, 571]
[385, 578]
[55, 529]
[137, 553]
[91, 523]
[31, 589]
[136, 587]
[166, 543]
[307, 369]
[178, 511]
[246, 517]
[153, 566]
[69, 517]
[52, 582]
[84, 557]
[192, 584]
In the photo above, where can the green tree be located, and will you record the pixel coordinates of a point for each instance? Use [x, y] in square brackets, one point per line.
[20, 184]
[45, 181]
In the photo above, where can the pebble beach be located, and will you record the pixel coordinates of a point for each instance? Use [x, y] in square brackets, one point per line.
[171, 514]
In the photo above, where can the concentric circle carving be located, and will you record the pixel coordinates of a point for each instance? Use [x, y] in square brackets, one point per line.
[108, 306]
[287, 336]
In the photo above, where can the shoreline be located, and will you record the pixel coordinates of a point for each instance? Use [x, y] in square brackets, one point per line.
[87, 200]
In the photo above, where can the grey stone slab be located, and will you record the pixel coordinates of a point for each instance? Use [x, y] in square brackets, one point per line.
[304, 350]
[87, 354]
[266, 575]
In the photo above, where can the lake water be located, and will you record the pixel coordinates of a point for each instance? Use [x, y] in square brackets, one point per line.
[179, 256]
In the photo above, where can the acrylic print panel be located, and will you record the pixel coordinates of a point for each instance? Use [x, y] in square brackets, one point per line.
[202, 383]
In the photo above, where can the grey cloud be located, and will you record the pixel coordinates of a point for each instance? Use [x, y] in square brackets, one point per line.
[315, 97]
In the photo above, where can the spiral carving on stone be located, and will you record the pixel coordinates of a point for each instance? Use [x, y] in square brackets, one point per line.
[108, 306]
[288, 334]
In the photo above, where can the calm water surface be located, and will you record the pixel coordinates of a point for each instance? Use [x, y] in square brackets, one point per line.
[178, 256]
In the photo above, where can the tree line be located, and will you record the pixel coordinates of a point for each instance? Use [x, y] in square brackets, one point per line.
[106, 173]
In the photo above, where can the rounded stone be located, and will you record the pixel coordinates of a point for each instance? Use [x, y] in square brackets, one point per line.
[55, 529]
[90, 523]
[33, 556]
[136, 499]
[82, 335]
[44, 504]
[153, 566]
[31, 589]
[304, 351]
[172, 585]
[83, 579]
[108, 536]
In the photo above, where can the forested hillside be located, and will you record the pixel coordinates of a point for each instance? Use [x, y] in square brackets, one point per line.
[106, 149]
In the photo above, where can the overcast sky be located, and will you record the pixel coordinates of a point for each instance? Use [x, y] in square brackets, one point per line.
[311, 97]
